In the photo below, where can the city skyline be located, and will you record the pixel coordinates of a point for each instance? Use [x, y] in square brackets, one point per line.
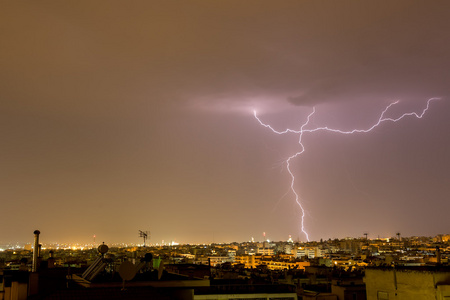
[117, 118]
[48, 245]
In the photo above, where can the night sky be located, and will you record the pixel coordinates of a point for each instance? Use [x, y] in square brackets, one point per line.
[119, 116]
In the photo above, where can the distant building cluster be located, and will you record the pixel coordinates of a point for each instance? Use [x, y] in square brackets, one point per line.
[339, 269]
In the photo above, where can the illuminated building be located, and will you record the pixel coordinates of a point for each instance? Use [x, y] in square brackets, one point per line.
[406, 283]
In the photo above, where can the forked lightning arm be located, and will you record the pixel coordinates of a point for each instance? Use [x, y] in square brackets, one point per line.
[302, 130]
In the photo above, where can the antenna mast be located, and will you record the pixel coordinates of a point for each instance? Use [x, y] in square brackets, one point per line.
[144, 235]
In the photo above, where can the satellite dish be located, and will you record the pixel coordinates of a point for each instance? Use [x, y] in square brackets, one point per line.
[127, 270]
[103, 248]
[148, 257]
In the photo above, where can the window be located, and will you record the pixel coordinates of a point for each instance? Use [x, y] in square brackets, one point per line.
[382, 295]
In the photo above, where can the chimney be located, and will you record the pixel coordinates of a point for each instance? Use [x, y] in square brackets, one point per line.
[51, 260]
[35, 250]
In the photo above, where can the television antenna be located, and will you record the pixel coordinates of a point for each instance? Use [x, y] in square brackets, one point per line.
[144, 235]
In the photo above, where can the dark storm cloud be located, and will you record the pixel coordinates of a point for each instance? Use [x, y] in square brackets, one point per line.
[399, 50]
[301, 52]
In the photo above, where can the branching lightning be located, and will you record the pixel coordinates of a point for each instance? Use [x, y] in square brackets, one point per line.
[303, 130]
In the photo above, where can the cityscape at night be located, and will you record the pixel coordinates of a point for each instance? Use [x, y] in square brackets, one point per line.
[239, 149]
[360, 268]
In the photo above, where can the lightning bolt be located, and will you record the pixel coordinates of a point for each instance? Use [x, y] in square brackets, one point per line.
[303, 130]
